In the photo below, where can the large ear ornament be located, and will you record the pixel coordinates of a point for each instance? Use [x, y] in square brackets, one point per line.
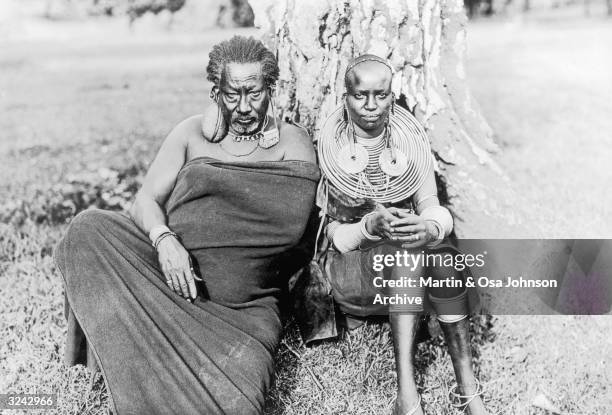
[214, 128]
[345, 113]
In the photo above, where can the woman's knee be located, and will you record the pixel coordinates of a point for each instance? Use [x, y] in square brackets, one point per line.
[404, 282]
[445, 281]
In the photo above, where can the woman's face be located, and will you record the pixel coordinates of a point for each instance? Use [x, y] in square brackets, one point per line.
[369, 97]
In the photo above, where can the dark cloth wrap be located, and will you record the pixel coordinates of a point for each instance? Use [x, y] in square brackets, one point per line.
[241, 222]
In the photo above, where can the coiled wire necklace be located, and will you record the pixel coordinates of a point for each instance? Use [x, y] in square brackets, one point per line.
[386, 169]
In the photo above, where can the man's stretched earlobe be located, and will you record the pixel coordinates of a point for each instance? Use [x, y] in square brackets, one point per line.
[214, 127]
[214, 94]
[269, 138]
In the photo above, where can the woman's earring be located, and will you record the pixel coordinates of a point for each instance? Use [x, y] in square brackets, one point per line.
[345, 114]
[352, 157]
[214, 127]
[392, 161]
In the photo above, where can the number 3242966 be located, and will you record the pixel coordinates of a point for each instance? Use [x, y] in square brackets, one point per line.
[27, 401]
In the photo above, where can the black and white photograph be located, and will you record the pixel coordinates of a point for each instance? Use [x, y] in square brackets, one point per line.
[285, 207]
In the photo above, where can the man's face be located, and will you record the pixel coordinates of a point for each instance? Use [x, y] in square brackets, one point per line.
[243, 97]
[369, 97]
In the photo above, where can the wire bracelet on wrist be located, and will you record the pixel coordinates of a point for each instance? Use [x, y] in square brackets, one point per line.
[162, 236]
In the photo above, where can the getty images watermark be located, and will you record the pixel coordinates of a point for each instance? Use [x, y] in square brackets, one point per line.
[459, 262]
[510, 276]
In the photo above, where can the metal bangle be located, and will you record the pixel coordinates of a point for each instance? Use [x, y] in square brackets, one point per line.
[364, 229]
[440, 236]
[156, 231]
[162, 236]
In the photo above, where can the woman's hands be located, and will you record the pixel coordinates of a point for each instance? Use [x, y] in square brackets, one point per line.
[401, 225]
[378, 223]
[411, 229]
[176, 266]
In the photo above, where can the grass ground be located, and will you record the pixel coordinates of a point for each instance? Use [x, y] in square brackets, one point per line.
[87, 108]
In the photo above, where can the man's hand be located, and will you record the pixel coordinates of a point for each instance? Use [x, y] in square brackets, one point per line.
[410, 229]
[176, 266]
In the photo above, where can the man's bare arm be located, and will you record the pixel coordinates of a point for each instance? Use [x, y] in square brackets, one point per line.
[148, 212]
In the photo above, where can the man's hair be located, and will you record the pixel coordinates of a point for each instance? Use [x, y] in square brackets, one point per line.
[240, 49]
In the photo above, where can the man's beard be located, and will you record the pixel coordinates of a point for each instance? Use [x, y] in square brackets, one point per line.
[247, 129]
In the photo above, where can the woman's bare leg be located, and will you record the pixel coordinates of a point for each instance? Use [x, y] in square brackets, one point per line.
[458, 340]
[403, 319]
[451, 306]
[403, 327]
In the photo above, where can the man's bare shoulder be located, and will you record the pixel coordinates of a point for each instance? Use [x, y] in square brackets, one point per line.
[185, 130]
[190, 125]
[297, 143]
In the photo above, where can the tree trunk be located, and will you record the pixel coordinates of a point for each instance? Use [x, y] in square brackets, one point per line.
[426, 42]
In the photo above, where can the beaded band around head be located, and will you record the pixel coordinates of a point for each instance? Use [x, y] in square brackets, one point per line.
[366, 58]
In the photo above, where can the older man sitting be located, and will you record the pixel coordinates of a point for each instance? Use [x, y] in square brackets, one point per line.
[179, 302]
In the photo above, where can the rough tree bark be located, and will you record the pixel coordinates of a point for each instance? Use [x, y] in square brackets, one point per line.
[426, 42]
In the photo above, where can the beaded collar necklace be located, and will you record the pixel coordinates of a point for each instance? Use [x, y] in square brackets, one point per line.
[250, 137]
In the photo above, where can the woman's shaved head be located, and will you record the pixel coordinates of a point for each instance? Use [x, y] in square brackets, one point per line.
[368, 97]
[366, 64]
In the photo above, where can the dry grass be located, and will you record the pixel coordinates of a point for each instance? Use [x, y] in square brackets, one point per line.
[92, 103]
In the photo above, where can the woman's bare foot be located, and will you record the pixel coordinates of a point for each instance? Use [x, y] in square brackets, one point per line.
[470, 395]
[408, 404]
[476, 407]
